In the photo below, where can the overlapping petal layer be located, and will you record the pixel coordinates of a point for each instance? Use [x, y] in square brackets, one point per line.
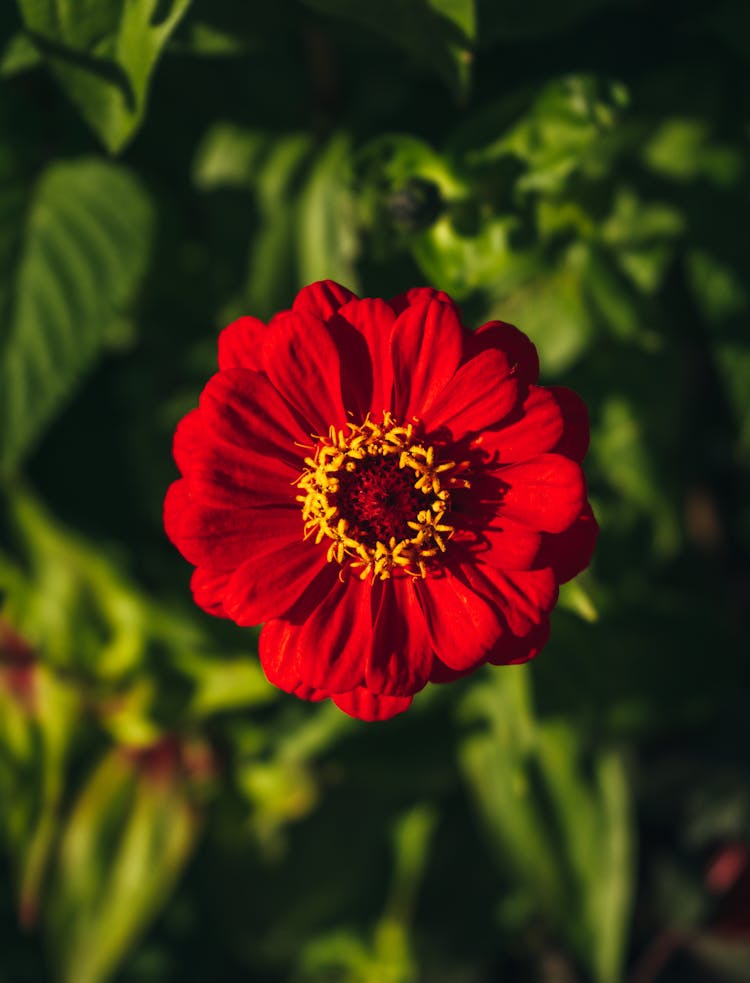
[340, 383]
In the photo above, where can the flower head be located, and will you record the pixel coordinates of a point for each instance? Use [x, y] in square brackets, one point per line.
[393, 495]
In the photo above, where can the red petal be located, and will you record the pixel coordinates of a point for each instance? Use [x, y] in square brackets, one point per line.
[223, 475]
[322, 298]
[277, 649]
[269, 583]
[189, 436]
[223, 538]
[553, 419]
[500, 542]
[374, 320]
[536, 427]
[480, 395]
[176, 502]
[241, 344]
[418, 295]
[547, 493]
[401, 657]
[512, 651]
[525, 597]
[208, 591]
[336, 638]
[426, 346]
[574, 442]
[356, 364]
[302, 362]
[506, 338]
[570, 552]
[462, 625]
[244, 409]
[361, 704]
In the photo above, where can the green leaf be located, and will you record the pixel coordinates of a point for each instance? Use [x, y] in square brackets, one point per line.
[76, 608]
[127, 839]
[560, 133]
[551, 309]
[229, 156]
[719, 290]
[103, 53]
[460, 263]
[558, 816]
[70, 283]
[622, 448]
[272, 276]
[38, 718]
[642, 235]
[327, 239]
[306, 226]
[682, 149]
[20, 55]
[436, 33]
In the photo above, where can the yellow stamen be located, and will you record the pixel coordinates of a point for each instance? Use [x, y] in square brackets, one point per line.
[348, 450]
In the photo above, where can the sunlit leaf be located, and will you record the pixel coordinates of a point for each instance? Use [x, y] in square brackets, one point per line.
[103, 53]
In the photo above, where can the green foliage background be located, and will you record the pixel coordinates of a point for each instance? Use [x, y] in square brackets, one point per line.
[580, 169]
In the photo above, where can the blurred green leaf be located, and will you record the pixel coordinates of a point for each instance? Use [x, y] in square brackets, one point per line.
[682, 150]
[562, 132]
[461, 264]
[551, 309]
[733, 358]
[74, 607]
[206, 41]
[20, 54]
[575, 597]
[642, 236]
[307, 226]
[225, 684]
[229, 156]
[388, 958]
[718, 289]
[127, 839]
[103, 53]
[626, 457]
[327, 234]
[38, 716]
[85, 247]
[558, 817]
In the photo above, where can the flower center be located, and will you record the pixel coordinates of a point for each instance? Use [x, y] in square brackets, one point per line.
[381, 496]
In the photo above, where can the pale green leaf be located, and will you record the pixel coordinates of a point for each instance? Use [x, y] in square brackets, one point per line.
[103, 53]
[127, 838]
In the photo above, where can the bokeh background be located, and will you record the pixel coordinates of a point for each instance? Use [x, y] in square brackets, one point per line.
[579, 169]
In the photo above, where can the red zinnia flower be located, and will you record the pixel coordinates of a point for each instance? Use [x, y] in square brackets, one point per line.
[392, 494]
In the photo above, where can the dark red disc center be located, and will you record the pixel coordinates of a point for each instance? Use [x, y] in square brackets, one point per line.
[378, 499]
